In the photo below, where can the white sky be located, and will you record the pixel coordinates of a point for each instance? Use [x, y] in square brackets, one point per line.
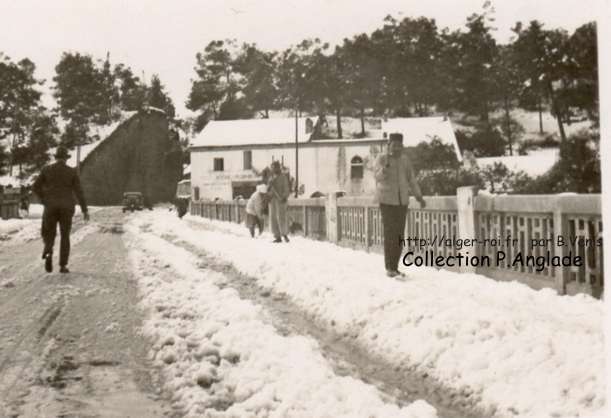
[164, 36]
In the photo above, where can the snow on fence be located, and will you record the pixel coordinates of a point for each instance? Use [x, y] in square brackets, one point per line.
[498, 223]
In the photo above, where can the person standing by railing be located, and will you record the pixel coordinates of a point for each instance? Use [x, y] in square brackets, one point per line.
[395, 179]
[279, 189]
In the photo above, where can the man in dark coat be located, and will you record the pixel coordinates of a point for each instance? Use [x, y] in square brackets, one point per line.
[56, 186]
[395, 179]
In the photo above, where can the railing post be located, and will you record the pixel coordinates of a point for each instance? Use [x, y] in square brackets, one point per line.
[465, 201]
[367, 228]
[331, 217]
[305, 221]
[561, 229]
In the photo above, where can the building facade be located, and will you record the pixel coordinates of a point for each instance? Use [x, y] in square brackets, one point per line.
[228, 157]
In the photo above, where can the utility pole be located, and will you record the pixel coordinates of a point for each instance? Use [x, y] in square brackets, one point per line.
[297, 150]
[78, 157]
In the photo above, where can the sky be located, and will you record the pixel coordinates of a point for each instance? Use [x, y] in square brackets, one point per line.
[163, 37]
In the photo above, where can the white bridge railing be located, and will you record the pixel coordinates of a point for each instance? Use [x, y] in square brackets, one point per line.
[537, 228]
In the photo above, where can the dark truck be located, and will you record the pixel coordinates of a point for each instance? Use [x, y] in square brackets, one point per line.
[132, 201]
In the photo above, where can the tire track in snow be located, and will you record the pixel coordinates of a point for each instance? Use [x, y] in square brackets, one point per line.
[346, 357]
[32, 311]
[175, 255]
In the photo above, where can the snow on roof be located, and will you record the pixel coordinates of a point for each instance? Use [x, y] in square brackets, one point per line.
[103, 132]
[252, 132]
[154, 109]
[417, 130]
[535, 164]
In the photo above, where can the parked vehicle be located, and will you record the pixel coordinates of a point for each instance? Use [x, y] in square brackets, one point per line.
[132, 201]
[183, 196]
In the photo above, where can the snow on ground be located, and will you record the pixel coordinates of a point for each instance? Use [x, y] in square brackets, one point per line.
[519, 351]
[221, 359]
[534, 164]
[22, 229]
[530, 122]
[28, 229]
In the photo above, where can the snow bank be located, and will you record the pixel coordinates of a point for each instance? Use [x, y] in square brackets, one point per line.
[221, 359]
[18, 231]
[517, 351]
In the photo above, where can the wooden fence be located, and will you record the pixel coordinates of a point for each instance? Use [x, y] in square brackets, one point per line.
[493, 224]
[307, 215]
[9, 205]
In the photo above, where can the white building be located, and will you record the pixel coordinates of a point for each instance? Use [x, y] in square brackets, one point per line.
[227, 157]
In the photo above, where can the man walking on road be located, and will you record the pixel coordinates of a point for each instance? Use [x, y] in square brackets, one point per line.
[394, 179]
[56, 186]
[279, 189]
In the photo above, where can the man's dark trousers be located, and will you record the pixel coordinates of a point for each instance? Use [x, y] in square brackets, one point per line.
[393, 219]
[51, 216]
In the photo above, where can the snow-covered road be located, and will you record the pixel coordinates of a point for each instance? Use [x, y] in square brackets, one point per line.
[501, 349]
[220, 355]
[241, 327]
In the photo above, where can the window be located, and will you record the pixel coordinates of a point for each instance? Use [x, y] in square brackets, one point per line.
[356, 168]
[219, 164]
[196, 193]
[247, 160]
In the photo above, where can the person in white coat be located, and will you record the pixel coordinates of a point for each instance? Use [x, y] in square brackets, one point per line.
[255, 208]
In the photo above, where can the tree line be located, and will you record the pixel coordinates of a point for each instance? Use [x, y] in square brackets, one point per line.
[407, 67]
[88, 93]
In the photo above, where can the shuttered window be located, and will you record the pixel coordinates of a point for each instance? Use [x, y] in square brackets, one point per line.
[219, 164]
[247, 160]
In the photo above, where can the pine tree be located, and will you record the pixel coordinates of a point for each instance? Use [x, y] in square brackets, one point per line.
[258, 71]
[158, 98]
[132, 92]
[19, 99]
[214, 93]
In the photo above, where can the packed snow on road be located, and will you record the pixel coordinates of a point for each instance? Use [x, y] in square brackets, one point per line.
[208, 338]
[499, 349]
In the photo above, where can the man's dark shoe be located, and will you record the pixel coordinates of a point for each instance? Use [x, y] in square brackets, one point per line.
[286, 238]
[48, 262]
[391, 273]
[64, 269]
[276, 240]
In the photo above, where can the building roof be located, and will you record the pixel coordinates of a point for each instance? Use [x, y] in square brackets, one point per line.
[252, 132]
[534, 164]
[282, 131]
[417, 130]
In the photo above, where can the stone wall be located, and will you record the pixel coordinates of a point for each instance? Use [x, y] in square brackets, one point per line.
[141, 155]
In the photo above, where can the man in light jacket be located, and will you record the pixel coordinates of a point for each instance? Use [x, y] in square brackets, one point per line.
[279, 189]
[395, 179]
